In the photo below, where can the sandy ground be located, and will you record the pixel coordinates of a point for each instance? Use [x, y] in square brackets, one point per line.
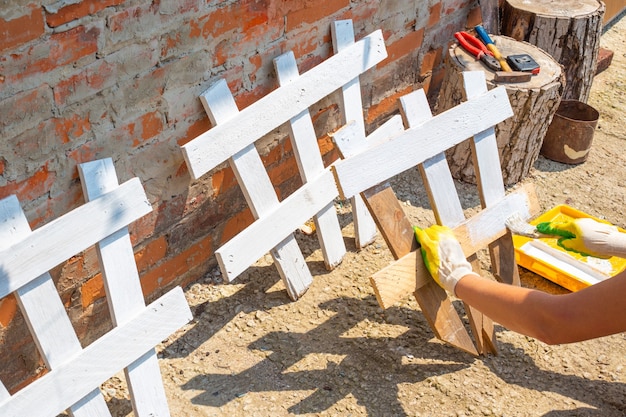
[251, 352]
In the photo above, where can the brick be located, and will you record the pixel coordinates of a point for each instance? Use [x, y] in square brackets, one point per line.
[8, 308]
[92, 290]
[223, 180]
[235, 224]
[137, 132]
[237, 17]
[194, 130]
[86, 83]
[431, 59]
[26, 110]
[474, 18]
[23, 29]
[386, 106]
[76, 11]
[434, 15]
[177, 266]
[314, 12]
[605, 57]
[408, 45]
[28, 66]
[151, 253]
[31, 188]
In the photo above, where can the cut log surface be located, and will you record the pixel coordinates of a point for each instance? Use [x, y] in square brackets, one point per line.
[534, 103]
[568, 30]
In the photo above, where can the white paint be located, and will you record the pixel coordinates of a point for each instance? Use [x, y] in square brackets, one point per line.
[562, 261]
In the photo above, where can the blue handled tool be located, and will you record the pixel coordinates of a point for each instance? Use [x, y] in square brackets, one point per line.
[484, 36]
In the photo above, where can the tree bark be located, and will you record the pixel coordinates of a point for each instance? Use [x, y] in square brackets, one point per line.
[568, 30]
[534, 103]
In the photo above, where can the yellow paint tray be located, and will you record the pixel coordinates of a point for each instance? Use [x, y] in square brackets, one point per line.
[567, 269]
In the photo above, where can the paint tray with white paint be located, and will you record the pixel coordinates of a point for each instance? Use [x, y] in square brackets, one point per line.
[568, 269]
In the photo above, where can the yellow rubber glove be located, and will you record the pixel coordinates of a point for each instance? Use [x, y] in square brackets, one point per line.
[587, 237]
[443, 256]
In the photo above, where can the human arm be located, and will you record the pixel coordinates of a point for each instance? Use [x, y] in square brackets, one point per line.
[554, 319]
[592, 312]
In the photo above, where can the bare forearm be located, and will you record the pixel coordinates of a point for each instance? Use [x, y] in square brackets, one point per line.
[593, 312]
[519, 309]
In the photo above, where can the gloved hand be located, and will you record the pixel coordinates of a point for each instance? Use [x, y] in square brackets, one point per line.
[443, 256]
[587, 237]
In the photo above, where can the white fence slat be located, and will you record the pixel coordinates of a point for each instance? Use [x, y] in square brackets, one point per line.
[124, 293]
[259, 192]
[224, 140]
[310, 165]
[484, 147]
[403, 152]
[70, 234]
[436, 171]
[71, 381]
[46, 317]
[342, 33]
[236, 255]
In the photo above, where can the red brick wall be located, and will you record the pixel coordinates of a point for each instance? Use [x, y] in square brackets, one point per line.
[121, 79]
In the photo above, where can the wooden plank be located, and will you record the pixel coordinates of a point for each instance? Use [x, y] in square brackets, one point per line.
[259, 193]
[342, 33]
[222, 141]
[88, 224]
[405, 151]
[45, 314]
[236, 255]
[100, 360]
[310, 165]
[124, 293]
[395, 282]
[444, 200]
[400, 238]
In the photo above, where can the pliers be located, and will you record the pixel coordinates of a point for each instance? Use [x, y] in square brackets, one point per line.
[475, 47]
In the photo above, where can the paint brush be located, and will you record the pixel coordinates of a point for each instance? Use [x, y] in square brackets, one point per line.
[518, 226]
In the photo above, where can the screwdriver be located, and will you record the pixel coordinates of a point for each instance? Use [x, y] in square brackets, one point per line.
[484, 36]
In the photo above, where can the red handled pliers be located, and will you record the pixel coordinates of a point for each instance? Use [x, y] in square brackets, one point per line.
[475, 47]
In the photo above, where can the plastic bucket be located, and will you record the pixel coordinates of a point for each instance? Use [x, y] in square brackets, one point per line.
[569, 136]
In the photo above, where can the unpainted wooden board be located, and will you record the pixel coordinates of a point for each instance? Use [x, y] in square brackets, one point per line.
[445, 203]
[226, 139]
[406, 151]
[399, 236]
[102, 359]
[397, 281]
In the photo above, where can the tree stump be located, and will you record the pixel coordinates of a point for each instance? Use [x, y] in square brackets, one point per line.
[534, 103]
[569, 30]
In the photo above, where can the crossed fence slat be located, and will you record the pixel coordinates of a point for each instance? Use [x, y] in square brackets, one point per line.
[233, 138]
[422, 145]
[74, 374]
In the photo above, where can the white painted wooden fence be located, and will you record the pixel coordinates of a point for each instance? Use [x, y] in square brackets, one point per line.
[74, 374]
[233, 138]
